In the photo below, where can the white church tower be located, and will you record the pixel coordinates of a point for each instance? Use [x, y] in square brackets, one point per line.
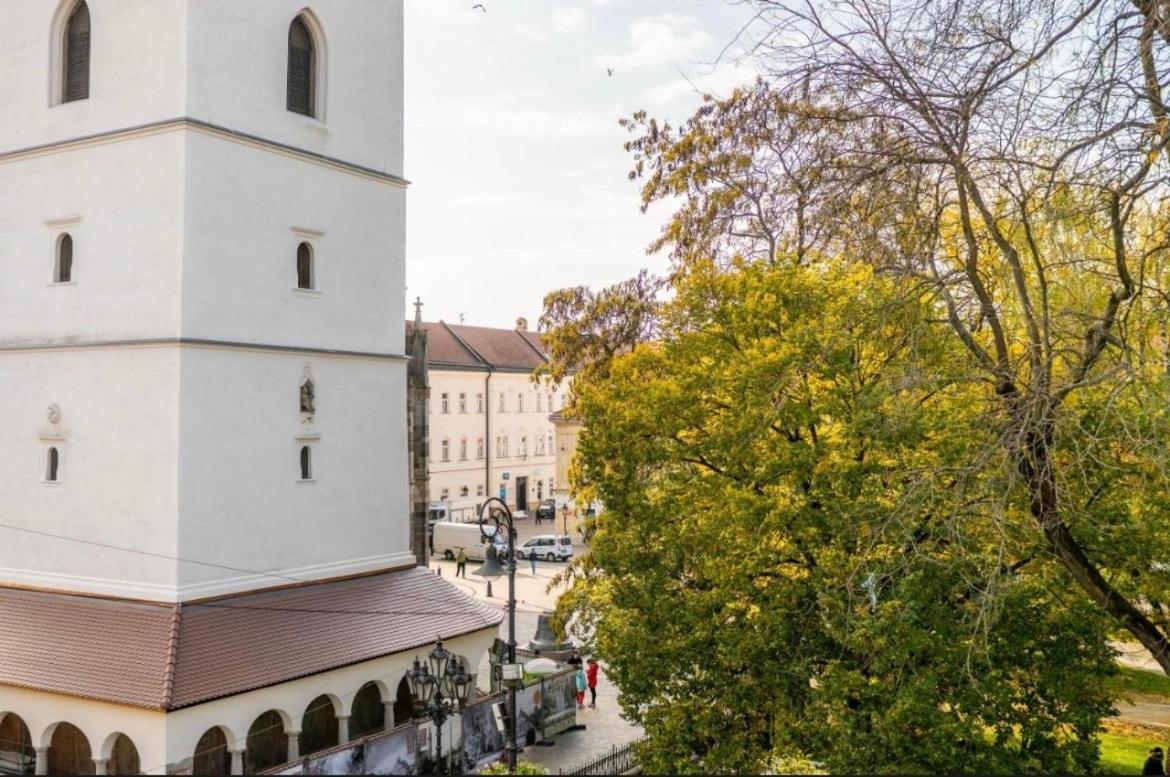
[203, 470]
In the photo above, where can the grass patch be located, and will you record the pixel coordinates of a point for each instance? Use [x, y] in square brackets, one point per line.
[1124, 747]
[1131, 684]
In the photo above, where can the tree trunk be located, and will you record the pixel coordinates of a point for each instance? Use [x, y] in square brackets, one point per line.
[1034, 465]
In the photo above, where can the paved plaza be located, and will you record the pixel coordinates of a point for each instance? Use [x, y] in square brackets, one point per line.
[604, 726]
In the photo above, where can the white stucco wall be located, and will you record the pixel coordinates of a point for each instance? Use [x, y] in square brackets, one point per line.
[241, 501]
[118, 443]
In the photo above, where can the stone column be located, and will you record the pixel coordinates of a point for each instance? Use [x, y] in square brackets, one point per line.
[237, 760]
[388, 706]
[42, 760]
[99, 765]
[294, 744]
[342, 729]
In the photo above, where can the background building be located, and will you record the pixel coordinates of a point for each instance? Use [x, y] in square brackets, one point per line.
[490, 433]
[203, 476]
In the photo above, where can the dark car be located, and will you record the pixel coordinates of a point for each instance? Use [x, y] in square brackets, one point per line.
[547, 510]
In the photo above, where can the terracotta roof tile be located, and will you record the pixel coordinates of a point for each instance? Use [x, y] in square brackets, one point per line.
[457, 345]
[162, 657]
[443, 348]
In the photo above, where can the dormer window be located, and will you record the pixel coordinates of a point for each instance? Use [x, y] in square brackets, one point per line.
[302, 68]
[75, 60]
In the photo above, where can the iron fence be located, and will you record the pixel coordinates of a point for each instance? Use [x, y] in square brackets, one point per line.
[619, 760]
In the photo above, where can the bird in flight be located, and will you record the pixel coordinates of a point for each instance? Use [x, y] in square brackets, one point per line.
[479, 6]
[609, 70]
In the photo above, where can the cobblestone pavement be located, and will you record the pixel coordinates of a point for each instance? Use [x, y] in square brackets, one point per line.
[604, 726]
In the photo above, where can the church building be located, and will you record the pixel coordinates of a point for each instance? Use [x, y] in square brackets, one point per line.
[205, 559]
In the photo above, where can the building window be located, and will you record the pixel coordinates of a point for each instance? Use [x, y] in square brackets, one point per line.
[302, 67]
[479, 403]
[550, 403]
[502, 409]
[446, 448]
[444, 494]
[464, 491]
[524, 445]
[305, 266]
[539, 490]
[444, 403]
[501, 447]
[463, 451]
[306, 463]
[520, 403]
[462, 402]
[76, 55]
[538, 401]
[479, 490]
[551, 444]
[540, 445]
[52, 466]
[63, 267]
[479, 448]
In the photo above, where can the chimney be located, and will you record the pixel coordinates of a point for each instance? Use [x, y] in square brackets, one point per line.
[521, 324]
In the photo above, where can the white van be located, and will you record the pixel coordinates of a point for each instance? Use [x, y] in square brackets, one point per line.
[447, 537]
[550, 547]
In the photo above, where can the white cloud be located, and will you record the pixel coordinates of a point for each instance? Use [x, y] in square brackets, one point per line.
[566, 19]
[446, 13]
[659, 40]
[525, 122]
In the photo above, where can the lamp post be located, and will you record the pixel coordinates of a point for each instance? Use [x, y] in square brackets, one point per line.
[440, 687]
[495, 511]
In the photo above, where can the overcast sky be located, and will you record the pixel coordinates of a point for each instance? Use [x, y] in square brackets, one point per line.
[514, 149]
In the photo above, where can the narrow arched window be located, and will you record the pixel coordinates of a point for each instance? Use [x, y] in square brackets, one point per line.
[306, 463]
[302, 64]
[63, 271]
[304, 266]
[52, 465]
[75, 70]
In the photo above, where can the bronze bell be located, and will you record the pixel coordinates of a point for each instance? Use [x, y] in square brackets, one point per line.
[546, 643]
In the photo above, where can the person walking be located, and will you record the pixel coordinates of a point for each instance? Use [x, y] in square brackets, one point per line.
[461, 564]
[582, 684]
[591, 678]
[1153, 763]
[532, 561]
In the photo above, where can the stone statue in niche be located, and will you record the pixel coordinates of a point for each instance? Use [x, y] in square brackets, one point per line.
[308, 398]
[54, 414]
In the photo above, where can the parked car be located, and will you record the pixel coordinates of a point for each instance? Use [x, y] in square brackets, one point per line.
[447, 537]
[547, 510]
[550, 547]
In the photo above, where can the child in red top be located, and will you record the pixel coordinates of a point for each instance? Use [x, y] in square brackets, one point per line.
[591, 678]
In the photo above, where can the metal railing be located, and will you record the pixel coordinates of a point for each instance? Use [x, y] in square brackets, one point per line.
[619, 760]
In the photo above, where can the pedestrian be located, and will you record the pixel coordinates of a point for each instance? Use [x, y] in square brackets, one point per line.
[575, 659]
[532, 561]
[461, 564]
[1154, 762]
[582, 684]
[591, 677]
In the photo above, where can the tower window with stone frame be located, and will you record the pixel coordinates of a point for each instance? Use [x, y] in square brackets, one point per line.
[53, 466]
[75, 52]
[306, 277]
[306, 463]
[63, 262]
[302, 69]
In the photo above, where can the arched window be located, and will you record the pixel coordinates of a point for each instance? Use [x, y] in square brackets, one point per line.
[306, 463]
[304, 266]
[75, 65]
[53, 466]
[302, 66]
[63, 271]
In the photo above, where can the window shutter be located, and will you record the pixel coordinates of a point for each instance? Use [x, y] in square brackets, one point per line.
[300, 68]
[76, 75]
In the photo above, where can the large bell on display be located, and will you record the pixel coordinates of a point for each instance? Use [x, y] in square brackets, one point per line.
[546, 643]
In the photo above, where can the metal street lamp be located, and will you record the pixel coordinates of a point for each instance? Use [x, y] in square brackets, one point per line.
[441, 688]
[498, 514]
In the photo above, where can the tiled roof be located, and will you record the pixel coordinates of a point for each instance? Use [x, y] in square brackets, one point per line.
[126, 653]
[455, 345]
